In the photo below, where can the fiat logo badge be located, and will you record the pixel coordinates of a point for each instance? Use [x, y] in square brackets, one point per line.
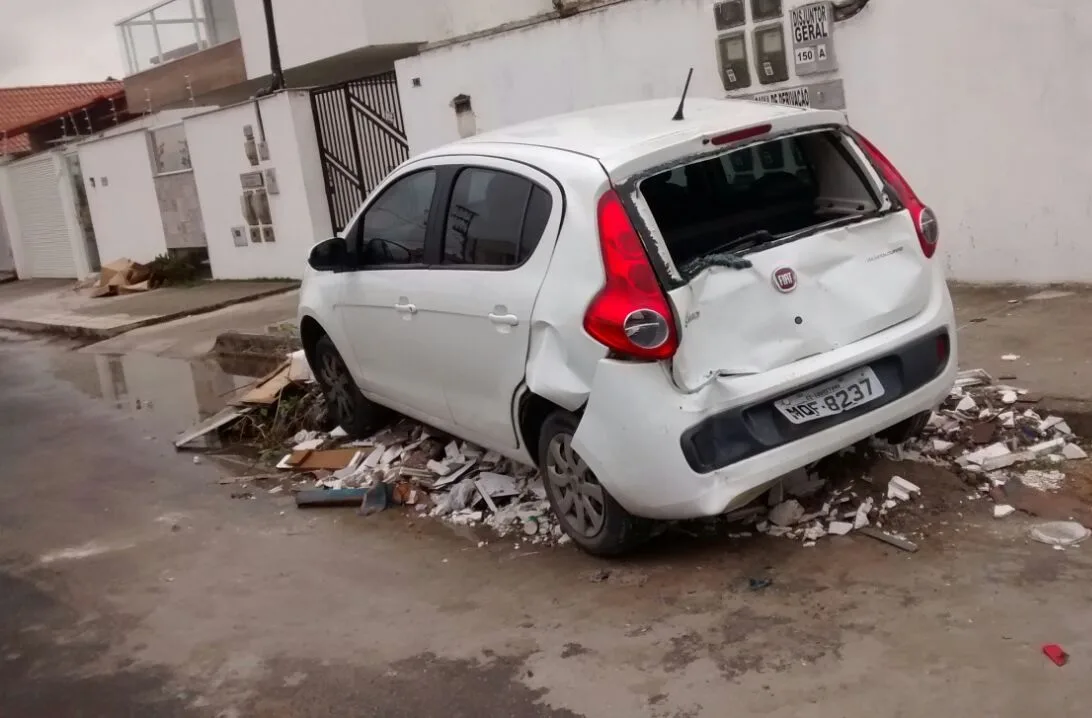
[784, 279]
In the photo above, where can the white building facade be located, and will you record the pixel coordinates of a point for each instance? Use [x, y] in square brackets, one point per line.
[977, 102]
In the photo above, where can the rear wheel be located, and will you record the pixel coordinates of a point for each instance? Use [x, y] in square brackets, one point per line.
[587, 513]
[355, 413]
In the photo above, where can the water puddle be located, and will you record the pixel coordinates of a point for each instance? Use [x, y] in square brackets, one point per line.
[172, 394]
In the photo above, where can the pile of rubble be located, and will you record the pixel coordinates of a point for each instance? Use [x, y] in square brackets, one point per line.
[404, 465]
[988, 433]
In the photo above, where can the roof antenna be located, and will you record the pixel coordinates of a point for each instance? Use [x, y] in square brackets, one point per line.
[682, 100]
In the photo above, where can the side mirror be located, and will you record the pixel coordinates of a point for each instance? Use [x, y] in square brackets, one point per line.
[329, 255]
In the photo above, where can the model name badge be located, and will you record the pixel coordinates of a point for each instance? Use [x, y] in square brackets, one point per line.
[888, 253]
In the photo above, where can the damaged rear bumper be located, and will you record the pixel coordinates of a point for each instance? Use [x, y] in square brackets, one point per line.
[638, 431]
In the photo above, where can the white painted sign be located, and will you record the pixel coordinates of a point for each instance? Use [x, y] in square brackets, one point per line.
[813, 38]
[820, 96]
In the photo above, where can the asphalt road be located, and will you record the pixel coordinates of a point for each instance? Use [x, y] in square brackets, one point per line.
[131, 584]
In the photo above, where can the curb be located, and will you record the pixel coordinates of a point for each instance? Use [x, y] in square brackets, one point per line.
[97, 335]
[241, 344]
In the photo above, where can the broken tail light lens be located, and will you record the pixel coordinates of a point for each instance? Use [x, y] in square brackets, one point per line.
[925, 220]
[630, 315]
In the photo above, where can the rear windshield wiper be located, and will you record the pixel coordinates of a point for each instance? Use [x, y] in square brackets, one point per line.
[718, 259]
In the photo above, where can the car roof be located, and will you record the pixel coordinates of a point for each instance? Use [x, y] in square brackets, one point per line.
[614, 130]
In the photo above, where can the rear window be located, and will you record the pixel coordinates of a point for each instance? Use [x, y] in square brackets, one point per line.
[741, 201]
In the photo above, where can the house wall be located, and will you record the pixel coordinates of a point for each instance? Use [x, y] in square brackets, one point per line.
[299, 212]
[124, 209]
[318, 29]
[977, 102]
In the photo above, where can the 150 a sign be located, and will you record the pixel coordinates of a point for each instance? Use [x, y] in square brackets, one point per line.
[813, 38]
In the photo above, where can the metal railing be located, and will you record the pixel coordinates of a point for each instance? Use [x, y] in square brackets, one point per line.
[172, 29]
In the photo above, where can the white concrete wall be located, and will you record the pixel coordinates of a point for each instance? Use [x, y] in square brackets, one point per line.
[300, 214]
[124, 209]
[316, 29]
[636, 50]
[981, 103]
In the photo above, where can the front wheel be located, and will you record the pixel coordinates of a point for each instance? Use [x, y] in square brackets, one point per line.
[587, 512]
[359, 416]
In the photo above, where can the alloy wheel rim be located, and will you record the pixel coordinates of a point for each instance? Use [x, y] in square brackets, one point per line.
[337, 385]
[579, 495]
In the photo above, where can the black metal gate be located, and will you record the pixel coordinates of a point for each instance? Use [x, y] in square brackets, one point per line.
[361, 138]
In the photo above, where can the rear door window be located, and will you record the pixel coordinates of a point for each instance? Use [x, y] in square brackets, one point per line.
[495, 219]
[758, 195]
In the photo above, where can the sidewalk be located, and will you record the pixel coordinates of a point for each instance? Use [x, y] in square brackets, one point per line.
[53, 306]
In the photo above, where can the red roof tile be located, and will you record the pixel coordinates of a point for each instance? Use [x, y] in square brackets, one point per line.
[23, 106]
[14, 145]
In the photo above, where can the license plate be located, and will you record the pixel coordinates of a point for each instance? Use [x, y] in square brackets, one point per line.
[834, 397]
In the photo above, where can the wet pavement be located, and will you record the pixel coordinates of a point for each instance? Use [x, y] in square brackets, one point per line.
[132, 584]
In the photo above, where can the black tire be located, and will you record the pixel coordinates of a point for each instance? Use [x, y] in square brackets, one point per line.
[906, 429]
[355, 413]
[612, 530]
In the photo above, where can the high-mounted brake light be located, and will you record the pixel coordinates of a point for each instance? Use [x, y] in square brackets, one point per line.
[740, 135]
[925, 221]
[630, 314]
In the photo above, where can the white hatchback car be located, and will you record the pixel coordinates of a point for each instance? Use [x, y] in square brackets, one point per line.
[664, 315]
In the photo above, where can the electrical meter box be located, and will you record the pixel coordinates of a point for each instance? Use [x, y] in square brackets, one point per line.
[735, 74]
[765, 9]
[770, 59]
[728, 14]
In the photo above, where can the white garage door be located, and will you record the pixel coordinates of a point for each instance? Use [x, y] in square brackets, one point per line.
[39, 209]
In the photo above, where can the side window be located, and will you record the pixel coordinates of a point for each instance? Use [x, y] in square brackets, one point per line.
[392, 229]
[495, 219]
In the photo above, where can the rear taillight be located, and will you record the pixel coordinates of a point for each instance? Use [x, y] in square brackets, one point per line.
[925, 221]
[630, 314]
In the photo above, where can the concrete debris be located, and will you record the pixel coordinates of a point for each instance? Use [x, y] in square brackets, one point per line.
[891, 539]
[1060, 533]
[1000, 511]
[966, 405]
[1072, 451]
[839, 528]
[787, 513]
[900, 489]
[1010, 357]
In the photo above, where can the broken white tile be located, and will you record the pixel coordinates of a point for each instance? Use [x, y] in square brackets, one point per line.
[990, 452]
[339, 433]
[497, 486]
[1055, 458]
[905, 485]
[814, 533]
[1072, 451]
[973, 377]
[966, 404]
[1009, 397]
[941, 446]
[452, 453]
[373, 458]
[1000, 511]
[1007, 419]
[839, 528]
[890, 504]
[1010, 357]
[1049, 423]
[1001, 462]
[438, 467]
[1045, 447]
[308, 445]
[1063, 429]
[861, 519]
[390, 454]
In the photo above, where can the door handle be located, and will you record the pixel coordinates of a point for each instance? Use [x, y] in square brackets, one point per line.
[406, 308]
[510, 320]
